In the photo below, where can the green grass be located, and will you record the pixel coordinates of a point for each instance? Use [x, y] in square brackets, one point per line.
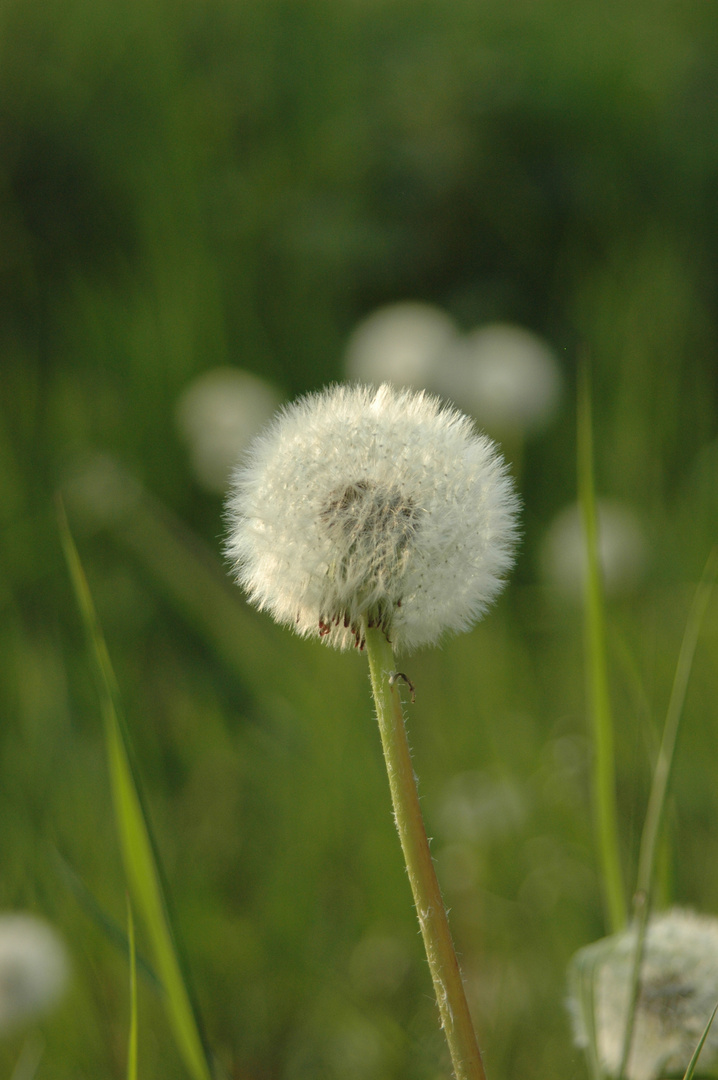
[140, 859]
[696, 1054]
[598, 692]
[132, 1039]
[648, 852]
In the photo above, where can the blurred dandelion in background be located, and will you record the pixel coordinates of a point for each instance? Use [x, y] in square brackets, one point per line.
[507, 377]
[677, 995]
[622, 550]
[34, 970]
[406, 344]
[217, 415]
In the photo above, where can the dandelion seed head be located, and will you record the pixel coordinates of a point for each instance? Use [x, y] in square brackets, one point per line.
[405, 344]
[33, 969]
[372, 505]
[622, 550]
[217, 415]
[506, 376]
[678, 992]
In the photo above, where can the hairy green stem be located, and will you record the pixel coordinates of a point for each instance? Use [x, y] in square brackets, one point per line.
[444, 966]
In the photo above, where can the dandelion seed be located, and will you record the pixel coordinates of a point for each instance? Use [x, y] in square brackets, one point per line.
[377, 506]
[678, 992]
[33, 969]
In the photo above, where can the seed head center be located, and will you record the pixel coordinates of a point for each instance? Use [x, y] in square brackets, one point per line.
[371, 525]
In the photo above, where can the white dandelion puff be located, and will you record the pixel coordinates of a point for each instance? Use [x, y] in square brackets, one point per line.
[622, 550]
[217, 415]
[405, 344]
[371, 506]
[33, 969]
[506, 376]
[678, 992]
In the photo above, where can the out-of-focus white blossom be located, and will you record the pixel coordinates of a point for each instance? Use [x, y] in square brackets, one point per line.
[678, 992]
[377, 506]
[404, 344]
[505, 376]
[34, 969]
[218, 414]
[621, 549]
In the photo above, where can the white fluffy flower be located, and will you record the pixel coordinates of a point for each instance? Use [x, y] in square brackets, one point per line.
[218, 414]
[621, 549]
[372, 505]
[33, 969]
[678, 992]
[405, 344]
[506, 376]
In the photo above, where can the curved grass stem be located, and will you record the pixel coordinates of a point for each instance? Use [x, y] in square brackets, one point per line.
[659, 792]
[604, 781]
[444, 966]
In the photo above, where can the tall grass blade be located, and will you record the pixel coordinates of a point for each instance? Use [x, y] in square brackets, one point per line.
[688, 1075]
[604, 782]
[664, 763]
[138, 851]
[111, 929]
[132, 1040]
[659, 787]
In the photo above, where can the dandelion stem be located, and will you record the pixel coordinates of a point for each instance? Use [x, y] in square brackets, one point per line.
[444, 966]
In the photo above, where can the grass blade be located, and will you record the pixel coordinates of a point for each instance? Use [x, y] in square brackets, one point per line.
[138, 851]
[664, 764]
[132, 1040]
[87, 902]
[659, 789]
[604, 781]
[688, 1075]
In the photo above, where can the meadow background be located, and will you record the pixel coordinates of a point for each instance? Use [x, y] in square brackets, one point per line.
[214, 182]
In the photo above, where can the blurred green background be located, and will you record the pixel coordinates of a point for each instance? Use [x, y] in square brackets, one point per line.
[207, 183]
